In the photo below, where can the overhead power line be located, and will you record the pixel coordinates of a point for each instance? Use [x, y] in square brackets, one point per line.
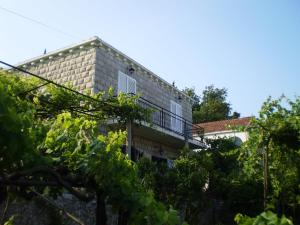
[38, 22]
[48, 81]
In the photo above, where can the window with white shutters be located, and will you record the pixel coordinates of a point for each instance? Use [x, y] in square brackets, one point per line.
[126, 84]
[179, 118]
[173, 116]
[131, 85]
[122, 82]
[176, 120]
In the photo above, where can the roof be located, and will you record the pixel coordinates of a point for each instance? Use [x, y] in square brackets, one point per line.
[97, 42]
[224, 125]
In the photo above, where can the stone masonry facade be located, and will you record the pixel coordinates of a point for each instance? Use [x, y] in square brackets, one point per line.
[75, 67]
[150, 88]
[94, 65]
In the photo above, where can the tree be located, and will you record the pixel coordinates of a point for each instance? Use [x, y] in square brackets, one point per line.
[50, 143]
[212, 105]
[200, 182]
[225, 179]
[228, 185]
[182, 185]
[191, 93]
[272, 154]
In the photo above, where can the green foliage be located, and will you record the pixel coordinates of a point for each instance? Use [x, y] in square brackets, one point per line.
[50, 126]
[59, 129]
[68, 140]
[183, 185]
[191, 93]
[19, 130]
[212, 105]
[154, 213]
[100, 159]
[229, 185]
[10, 221]
[265, 218]
[276, 133]
[198, 179]
[226, 175]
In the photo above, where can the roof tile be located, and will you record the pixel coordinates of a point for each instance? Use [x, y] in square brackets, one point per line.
[223, 125]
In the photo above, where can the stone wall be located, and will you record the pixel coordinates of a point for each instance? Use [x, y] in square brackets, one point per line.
[75, 67]
[95, 66]
[39, 212]
[89, 66]
[107, 67]
[151, 148]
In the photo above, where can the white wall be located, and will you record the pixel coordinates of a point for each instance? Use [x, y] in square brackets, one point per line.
[240, 136]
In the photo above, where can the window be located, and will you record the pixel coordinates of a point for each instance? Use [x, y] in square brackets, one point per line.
[126, 84]
[176, 120]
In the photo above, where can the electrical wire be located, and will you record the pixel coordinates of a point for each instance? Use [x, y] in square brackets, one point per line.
[39, 22]
[49, 81]
[85, 112]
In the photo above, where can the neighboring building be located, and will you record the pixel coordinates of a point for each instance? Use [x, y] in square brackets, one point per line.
[226, 129]
[95, 65]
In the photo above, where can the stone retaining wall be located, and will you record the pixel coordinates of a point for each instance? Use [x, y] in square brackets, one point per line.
[38, 212]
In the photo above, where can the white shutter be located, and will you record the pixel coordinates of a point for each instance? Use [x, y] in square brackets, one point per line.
[176, 121]
[122, 82]
[173, 117]
[131, 85]
[126, 84]
[179, 120]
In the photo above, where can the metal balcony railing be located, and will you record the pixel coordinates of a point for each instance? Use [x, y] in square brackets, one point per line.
[170, 121]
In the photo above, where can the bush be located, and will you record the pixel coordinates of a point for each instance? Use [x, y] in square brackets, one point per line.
[265, 218]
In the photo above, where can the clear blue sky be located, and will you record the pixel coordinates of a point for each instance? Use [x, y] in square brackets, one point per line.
[251, 47]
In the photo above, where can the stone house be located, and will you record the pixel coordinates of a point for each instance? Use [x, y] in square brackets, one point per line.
[94, 64]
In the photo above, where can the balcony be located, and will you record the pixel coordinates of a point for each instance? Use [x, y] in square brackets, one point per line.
[169, 123]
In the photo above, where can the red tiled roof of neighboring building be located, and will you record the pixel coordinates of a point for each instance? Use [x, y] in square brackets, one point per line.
[223, 125]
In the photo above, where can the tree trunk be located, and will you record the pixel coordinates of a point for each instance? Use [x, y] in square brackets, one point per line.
[101, 218]
[129, 138]
[123, 217]
[5, 207]
[266, 177]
